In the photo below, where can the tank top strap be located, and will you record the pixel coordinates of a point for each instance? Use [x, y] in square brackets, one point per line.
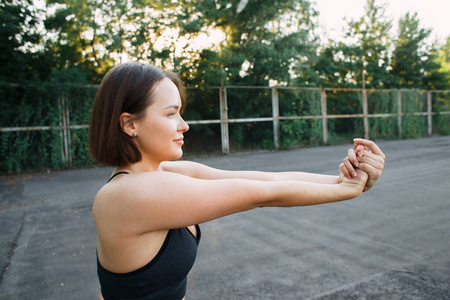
[118, 173]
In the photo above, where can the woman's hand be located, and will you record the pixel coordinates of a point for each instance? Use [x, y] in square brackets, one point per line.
[356, 184]
[366, 156]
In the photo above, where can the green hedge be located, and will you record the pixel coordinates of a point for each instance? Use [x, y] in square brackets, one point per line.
[41, 105]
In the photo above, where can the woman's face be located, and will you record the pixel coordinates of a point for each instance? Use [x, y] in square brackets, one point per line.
[159, 135]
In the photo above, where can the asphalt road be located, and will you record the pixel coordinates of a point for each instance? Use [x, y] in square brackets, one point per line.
[390, 243]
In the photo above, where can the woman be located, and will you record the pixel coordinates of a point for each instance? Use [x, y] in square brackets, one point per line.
[147, 214]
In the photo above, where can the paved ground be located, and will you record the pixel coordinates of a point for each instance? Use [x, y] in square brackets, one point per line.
[391, 243]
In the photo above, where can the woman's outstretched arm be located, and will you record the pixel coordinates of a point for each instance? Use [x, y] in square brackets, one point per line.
[165, 200]
[371, 161]
[200, 171]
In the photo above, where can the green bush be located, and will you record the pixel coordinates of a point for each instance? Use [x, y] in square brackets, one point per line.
[50, 148]
[41, 105]
[383, 102]
[300, 132]
[413, 126]
[441, 121]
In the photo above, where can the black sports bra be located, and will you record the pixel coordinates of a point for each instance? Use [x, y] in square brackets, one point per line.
[115, 174]
[163, 278]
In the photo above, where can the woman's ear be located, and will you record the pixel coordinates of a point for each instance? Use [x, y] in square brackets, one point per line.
[127, 124]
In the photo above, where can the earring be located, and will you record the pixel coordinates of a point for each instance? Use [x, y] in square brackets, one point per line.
[133, 135]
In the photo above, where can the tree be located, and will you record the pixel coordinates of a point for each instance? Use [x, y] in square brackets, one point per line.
[76, 39]
[265, 40]
[20, 56]
[372, 34]
[443, 57]
[362, 59]
[411, 61]
[93, 35]
[439, 78]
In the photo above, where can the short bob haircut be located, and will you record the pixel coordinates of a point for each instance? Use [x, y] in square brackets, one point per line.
[128, 88]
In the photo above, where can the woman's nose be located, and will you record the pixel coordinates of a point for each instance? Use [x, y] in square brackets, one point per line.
[183, 126]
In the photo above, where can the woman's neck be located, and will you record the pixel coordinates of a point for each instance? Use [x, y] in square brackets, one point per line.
[138, 167]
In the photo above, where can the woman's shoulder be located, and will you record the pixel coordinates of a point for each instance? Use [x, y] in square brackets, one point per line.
[142, 201]
[128, 192]
[132, 188]
[127, 184]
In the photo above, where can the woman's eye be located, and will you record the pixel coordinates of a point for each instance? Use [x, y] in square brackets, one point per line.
[171, 114]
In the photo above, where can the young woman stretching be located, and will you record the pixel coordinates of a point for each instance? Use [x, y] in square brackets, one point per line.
[147, 215]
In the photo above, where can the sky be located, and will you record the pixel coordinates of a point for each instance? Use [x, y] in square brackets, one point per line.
[433, 14]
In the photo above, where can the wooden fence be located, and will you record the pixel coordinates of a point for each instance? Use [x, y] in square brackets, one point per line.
[324, 116]
[65, 126]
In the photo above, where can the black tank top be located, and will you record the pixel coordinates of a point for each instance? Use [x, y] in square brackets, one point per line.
[163, 278]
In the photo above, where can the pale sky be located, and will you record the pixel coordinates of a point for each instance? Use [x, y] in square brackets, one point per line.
[433, 14]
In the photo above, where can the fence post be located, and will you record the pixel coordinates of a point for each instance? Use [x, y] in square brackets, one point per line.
[365, 114]
[323, 98]
[61, 133]
[399, 113]
[68, 135]
[224, 120]
[63, 129]
[429, 110]
[276, 118]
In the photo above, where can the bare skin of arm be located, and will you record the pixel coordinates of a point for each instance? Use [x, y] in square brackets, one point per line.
[366, 156]
[199, 171]
[184, 193]
[163, 200]
[134, 212]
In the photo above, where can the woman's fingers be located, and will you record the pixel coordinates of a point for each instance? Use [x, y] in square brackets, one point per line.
[348, 168]
[366, 156]
[374, 170]
[348, 165]
[369, 144]
[373, 173]
[351, 154]
[359, 150]
[373, 166]
[343, 169]
[369, 157]
[371, 160]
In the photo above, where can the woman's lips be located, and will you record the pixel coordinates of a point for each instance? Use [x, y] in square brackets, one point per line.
[179, 141]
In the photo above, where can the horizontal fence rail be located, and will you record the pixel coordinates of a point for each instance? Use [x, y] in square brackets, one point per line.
[64, 127]
[365, 115]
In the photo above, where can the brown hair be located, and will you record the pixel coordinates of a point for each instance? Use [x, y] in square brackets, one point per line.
[125, 88]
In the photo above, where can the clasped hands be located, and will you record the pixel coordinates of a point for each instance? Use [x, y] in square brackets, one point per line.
[367, 157]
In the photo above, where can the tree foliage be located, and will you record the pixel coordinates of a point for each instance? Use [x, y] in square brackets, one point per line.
[20, 57]
[262, 42]
[413, 62]
[211, 43]
[443, 60]
[362, 59]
